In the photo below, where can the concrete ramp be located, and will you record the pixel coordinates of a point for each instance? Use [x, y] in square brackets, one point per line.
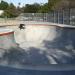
[42, 45]
[56, 42]
[7, 38]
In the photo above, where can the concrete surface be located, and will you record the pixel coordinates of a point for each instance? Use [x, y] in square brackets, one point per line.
[42, 44]
[58, 42]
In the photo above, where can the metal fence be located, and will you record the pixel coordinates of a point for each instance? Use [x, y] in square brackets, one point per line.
[66, 16]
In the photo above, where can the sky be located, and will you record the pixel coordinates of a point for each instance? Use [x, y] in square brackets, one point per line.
[23, 2]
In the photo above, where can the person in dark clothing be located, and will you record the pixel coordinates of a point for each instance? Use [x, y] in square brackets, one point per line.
[22, 26]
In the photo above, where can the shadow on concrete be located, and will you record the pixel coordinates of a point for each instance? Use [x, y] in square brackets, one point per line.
[62, 48]
[32, 57]
[59, 51]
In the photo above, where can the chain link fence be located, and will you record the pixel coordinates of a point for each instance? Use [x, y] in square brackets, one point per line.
[66, 16]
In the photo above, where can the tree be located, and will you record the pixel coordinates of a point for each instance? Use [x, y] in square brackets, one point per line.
[52, 4]
[19, 9]
[71, 3]
[44, 8]
[3, 5]
[61, 4]
[19, 4]
[31, 8]
[11, 11]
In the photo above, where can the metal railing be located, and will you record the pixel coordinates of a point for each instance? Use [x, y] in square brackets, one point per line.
[66, 16]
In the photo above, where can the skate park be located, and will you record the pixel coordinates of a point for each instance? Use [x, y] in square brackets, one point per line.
[38, 45]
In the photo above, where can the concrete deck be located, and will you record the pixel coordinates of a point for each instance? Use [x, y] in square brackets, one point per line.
[17, 22]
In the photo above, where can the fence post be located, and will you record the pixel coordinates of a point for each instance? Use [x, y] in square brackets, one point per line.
[58, 16]
[63, 15]
[54, 16]
[70, 17]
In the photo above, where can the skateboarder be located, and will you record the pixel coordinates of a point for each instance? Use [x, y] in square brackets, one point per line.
[22, 26]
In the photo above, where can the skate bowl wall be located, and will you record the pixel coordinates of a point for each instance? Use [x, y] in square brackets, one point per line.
[56, 41]
[38, 33]
[46, 44]
[7, 38]
[48, 35]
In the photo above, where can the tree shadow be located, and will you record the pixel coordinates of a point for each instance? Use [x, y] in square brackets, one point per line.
[62, 48]
[59, 51]
[23, 57]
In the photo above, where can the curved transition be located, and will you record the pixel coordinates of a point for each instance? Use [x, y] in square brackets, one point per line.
[42, 45]
[7, 38]
[50, 44]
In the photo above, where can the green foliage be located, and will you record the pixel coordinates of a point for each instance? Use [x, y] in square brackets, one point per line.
[60, 4]
[31, 8]
[43, 8]
[3, 5]
[11, 11]
[52, 4]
